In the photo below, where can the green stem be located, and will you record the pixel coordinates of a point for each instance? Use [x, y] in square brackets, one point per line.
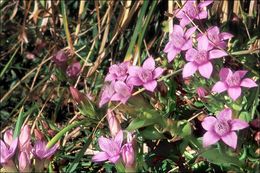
[8, 63]
[57, 137]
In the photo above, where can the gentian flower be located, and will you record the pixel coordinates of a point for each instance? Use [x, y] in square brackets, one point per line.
[60, 58]
[232, 82]
[200, 59]
[24, 139]
[42, 152]
[216, 39]
[7, 147]
[179, 40]
[107, 93]
[145, 75]
[222, 127]
[118, 72]
[113, 123]
[192, 11]
[111, 148]
[73, 70]
[122, 92]
[128, 153]
[24, 161]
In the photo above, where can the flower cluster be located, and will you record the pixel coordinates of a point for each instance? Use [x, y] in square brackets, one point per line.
[210, 46]
[25, 151]
[123, 77]
[61, 60]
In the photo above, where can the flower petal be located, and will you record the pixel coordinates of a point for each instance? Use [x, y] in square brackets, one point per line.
[184, 21]
[149, 64]
[172, 54]
[240, 73]
[208, 123]
[230, 139]
[105, 144]
[168, 47]
[225, 114]
[150, 86]
[191, 54]
[225, 35]
[206, 70]
[205, 3]
[157, 72]
[219, 87]
[234, 93]
[134, 81]
[189, 69]
[187, 45]
[248, 83]
[99, 157]
[210, 138]
[203, 43]
[213, 30]
[213, 54]
[114, 159]
[8, 137]
[177, 29]
[202, 15]
[238, 124]
[133, 70]
[189, 32]
[224, 73]
[119, 138]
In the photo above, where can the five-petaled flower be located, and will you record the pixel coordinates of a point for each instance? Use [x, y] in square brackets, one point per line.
[111, 148]
[216, 38]
[145, 75]
[192, 11]
[41, 151]
[232, 82]
[222, 127]
[200, 59]
[179, 41]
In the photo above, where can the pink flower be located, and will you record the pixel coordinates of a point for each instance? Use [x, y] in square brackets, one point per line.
[111, 148]
[200, 59]
[222, 127]
[107, 93]
[118, 72]
[73, 70]
[179, 40]
[232, 82]
[216, 39]
[145, 75]
[60, 58]
[113, 123]
[42, 152]
[201, 92]
[193, 11]
[24, 139]
[7, 147]
[128, 153]
[24, 161]
[122, 92]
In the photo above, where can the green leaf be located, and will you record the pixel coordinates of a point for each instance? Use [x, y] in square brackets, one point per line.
[151, 133]
[214, 156]
[245, 116]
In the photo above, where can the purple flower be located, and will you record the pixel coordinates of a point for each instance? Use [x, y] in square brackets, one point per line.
[107, 93]
[118, 72]
[201, 92]
[200, 59]
[60, 58]
[179, 40]
[7, 147]
[111, 148]
[24, 161]
[222, 127]
[145, 75]
[216, 39]
[113, 123]
[192, 11]
[73, 70]
[122, 92]
[232, 82]
[42, 152]
[128, 154]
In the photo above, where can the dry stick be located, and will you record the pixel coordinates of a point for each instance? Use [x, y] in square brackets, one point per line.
[18, 83]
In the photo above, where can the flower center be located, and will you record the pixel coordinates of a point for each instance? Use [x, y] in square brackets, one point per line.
[233, 80]
[222, 127]
[178, 40]
[145, 75]
[201, 57]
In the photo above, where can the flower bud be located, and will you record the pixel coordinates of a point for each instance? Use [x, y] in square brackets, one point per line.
[128, 154]
[255, 124]
[76, 95]
[38, 134]
[24, 162]
[8, 137]
[73, 70]
[25, 137]
[60, 58]
[201, 92]
[113, 123]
